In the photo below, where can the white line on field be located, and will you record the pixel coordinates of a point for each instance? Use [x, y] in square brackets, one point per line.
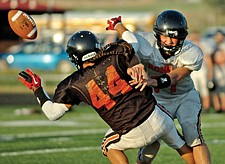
[47, 151]
[44, 123]
[8, 137]
[88, 148]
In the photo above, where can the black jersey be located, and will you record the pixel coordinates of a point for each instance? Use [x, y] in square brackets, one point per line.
[105, 87]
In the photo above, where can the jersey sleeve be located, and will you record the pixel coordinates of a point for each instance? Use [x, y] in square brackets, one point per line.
[145, 48]
[142, 46]
[191, 58]
[129, 37]
[65, 94]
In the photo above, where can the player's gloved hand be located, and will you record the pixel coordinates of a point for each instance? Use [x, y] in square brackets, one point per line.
[113, 22]
[31, 80]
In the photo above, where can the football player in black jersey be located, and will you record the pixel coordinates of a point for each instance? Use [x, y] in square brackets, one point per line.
[103, 81]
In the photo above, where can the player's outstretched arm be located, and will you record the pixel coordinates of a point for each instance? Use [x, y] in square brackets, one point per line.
[116, 24]
[52, 110]
[124, 33]
[140, 79]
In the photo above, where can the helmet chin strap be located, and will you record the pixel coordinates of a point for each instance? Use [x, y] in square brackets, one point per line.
[165, 52]
[165, 55]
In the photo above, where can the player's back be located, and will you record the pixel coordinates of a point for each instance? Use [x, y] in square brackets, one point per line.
[105, 86]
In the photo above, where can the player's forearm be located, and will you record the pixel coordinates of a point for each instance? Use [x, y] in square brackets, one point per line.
[178, 74]
[120, 29]
[53, 111]
[41, 95]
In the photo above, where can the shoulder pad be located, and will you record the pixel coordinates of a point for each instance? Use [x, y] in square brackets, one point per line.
[191, 56]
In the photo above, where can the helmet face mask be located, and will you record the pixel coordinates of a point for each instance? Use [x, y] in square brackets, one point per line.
[173, 24]
[81, 47]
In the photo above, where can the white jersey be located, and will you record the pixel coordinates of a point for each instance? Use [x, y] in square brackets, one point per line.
[148, 53]
[185, 104]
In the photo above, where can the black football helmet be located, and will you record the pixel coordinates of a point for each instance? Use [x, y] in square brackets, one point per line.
[173, 24]
[81, 47]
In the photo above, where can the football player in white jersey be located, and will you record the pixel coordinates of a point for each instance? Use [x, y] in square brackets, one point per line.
[169, 60]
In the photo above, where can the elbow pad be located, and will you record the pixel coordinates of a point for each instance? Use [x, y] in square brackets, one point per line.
[54, 111]
[163, 81]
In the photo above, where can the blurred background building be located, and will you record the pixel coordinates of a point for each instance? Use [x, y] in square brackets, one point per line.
[57, 19]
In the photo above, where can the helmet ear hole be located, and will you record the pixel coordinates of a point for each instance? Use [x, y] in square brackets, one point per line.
[80, 45]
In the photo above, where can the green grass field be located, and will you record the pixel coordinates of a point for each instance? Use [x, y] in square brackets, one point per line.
[76, 138]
